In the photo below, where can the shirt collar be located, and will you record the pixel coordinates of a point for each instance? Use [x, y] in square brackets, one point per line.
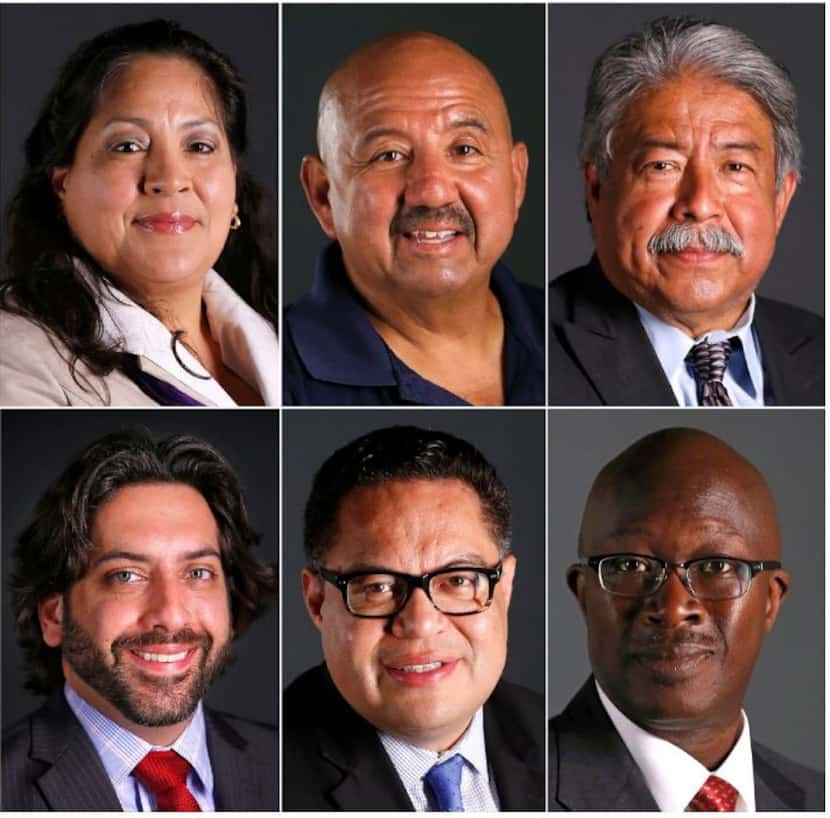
[120, 750]
[247, 342]
[413, 763]
[337, 343]
[673, 776]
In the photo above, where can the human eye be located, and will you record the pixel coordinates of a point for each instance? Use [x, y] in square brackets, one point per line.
[717, 567]
[127, 146]
[201, 146]
[628, 564]
[201, 573]
[373, 586]
[123, 576]
[459, 583]
[388, 156]
[465, 149]
[660, 166]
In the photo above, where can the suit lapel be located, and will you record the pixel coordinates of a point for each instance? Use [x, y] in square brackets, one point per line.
[789, 359]
[774, 792]
[612, 347]
[516, 763]
[76, 780]
[595, 770]
[369, 781]
[238, 778]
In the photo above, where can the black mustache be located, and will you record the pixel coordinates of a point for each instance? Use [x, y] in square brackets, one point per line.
[660, 644]
[185, 636]
[448, 217]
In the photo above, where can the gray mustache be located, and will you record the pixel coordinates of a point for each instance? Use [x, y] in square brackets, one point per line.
[448, 217]
[678, 237]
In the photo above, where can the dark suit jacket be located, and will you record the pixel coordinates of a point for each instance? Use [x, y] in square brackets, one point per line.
[600, 353]
[333, 759]
[591, 769]
[49, 763]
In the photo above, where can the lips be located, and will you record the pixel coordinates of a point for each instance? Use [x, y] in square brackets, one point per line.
[163, 659]
[432, 236]
[419, 671]
[674, 661]
[167, 223]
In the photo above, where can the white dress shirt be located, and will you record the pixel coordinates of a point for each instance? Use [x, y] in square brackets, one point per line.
[478, 791]
[744, 376]
[672, 776]
[247, 342]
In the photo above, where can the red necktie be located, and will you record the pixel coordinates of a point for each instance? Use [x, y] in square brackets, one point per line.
[164, 773]
[716, 795]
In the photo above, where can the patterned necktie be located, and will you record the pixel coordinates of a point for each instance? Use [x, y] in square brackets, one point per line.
[444, 782]
[716, 795]
[164, 773]
[709, 362]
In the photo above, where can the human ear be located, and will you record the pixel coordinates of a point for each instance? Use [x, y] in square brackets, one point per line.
[315, 181]
[783, 198]
[508, 572]
[57, 176]
[313, 594]
[576, 582]
[519, 161]
[50, 616]
[779, 584]
[590, 178]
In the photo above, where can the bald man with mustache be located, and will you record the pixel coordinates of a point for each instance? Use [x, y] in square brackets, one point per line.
[418, 183]
[679, 579]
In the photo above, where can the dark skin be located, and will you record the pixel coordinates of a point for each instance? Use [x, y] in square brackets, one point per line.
[676, 665]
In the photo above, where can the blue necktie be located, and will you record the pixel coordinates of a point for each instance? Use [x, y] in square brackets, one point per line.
[444, 781]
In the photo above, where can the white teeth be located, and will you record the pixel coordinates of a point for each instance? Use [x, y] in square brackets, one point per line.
[433, 236]
[162, 657]
[422, 668]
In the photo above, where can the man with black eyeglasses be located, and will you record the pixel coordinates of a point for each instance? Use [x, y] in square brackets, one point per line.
[679, 579]
[408, 579]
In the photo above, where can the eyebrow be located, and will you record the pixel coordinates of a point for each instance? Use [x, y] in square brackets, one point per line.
[146, 123]
[456, 124]
[470, 560]
[669, 144]
[135, 556]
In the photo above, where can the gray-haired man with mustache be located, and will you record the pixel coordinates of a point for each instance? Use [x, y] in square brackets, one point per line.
[418, 182]
[691, 156]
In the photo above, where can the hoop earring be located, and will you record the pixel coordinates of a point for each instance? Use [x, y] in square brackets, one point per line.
[236, 222]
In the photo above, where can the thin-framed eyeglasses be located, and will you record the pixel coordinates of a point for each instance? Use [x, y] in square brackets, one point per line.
[461, 591]
[708, 578]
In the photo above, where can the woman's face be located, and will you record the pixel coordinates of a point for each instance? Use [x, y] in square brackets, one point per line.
[151, 191]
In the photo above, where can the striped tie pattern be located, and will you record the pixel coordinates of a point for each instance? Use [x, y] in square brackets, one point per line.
[716, 795]
[164, 773]
[709, 362]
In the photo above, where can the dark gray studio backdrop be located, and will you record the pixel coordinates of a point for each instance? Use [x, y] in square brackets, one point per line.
[785, 703]
[38, 444]
[512, 440]
[510, 40]
[35, 39]
[792, 34]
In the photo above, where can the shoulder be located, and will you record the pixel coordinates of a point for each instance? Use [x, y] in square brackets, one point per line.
[253, 733]
[34, 368]
[518, 702]
[790, 316]
[794, 783]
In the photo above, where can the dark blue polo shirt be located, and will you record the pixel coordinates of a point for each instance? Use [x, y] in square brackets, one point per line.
[334, 356]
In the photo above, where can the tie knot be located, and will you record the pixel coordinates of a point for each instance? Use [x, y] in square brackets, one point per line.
[444, 781]
[164, 773]
[716, 795]
[709, 362]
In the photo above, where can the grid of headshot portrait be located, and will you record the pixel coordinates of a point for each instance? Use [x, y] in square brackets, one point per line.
[412, 407]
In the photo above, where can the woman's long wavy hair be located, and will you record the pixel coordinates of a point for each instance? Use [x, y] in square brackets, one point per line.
[41, 284]
[54, 550]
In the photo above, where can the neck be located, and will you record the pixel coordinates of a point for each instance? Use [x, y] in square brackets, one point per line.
[158, 736]
[697, 324]
[709, 745]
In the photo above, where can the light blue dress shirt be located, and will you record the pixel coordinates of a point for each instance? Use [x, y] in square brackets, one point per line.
[744, 376]
[478, 791]
[120, 751]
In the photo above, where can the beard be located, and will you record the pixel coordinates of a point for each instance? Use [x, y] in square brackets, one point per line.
[143, 698]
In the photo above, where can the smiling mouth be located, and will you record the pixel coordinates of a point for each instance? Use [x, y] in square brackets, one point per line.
[432, 236]
[161, 657]
[418, 668]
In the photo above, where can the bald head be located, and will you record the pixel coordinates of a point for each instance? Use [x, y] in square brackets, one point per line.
[690, 473]
[418, 57]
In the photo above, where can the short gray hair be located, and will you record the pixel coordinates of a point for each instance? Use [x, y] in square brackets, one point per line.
[670, 47]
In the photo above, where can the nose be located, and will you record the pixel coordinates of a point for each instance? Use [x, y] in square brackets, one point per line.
[419, 617]
[698, 194]
[429, 181]
[673, 604]
[166, 171]
[166, 605]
